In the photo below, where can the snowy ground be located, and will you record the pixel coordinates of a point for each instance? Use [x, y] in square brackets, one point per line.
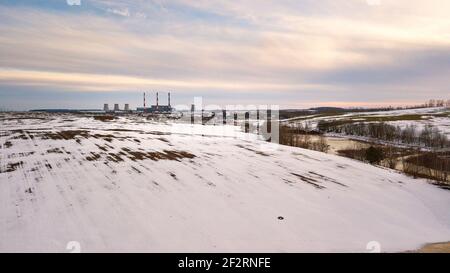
[430, 116]
[134, 185]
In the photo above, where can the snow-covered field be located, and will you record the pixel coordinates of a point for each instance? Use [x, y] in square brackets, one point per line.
[437, 117]
[136, 185]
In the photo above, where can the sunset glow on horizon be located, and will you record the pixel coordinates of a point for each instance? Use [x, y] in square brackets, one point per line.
[291, 53]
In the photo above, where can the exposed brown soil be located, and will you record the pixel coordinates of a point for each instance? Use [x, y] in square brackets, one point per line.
[155, 156]
[55, 151]
[141, 155]
[104, 118]
[434, 248]
[11, 167]
[64, 135]
[21, 154]
[326, 178]
[107, 137]
[93, 157]
[136, 169]
[309, 180]
[158, 133]
[67, 135]
[255, 151]
[174, 176]
[24, 117]
[7, 144]
[21, 136]
[76, 135]
[48, 166]
[103, 148]
[114, 157]
[124, 130]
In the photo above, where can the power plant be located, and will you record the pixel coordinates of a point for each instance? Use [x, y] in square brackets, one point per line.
[152, 109]
[116, 108]
[156, 108]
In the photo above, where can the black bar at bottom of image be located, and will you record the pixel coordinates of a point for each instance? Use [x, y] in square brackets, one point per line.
[227, 262]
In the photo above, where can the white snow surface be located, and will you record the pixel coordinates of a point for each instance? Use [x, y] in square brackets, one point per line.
[441, 123]
[227, 198]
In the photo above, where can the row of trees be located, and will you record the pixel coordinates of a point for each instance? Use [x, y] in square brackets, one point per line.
[437, 103]
[418, 163]
[428, 164]
[428, 104]
[297, 137]
[429, 136]
[372, 154]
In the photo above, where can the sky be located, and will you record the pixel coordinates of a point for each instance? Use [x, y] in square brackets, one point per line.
[291, 53]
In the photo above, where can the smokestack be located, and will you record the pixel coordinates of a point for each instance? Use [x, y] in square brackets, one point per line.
[169, 98]
[116, 107]
[105, 107]
[127, 107]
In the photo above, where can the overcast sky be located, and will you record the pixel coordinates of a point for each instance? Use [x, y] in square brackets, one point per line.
[294, 53]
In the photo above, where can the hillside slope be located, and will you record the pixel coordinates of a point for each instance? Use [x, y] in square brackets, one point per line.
[437, 117]
[133, 185]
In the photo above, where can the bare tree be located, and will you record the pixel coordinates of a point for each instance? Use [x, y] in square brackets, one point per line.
[321, 145]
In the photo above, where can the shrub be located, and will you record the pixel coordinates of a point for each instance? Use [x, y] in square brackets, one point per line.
[374, 155]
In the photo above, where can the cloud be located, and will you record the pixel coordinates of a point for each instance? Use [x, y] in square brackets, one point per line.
[104, 82]
[122, 12]
[73, 2]
[279, 47]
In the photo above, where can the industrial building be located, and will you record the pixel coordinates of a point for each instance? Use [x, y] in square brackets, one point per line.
[162, 109]
[152, 109]
[116, 108]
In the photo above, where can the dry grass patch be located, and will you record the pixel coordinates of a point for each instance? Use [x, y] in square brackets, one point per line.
[104, 118]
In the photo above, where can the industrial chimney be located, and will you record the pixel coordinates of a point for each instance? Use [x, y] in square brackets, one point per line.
[169, 98]
[127, 107]
[116, 107]
[105, 107]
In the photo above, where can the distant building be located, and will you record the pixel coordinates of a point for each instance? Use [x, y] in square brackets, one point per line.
[116, 107]
[106, 107]
[127, 107]
[156, 108]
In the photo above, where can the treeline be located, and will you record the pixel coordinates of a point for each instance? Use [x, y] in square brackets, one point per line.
[437, 103]
[429, 136]
[385, 155]
[425, 164]
[302, 138]
[429, 165]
